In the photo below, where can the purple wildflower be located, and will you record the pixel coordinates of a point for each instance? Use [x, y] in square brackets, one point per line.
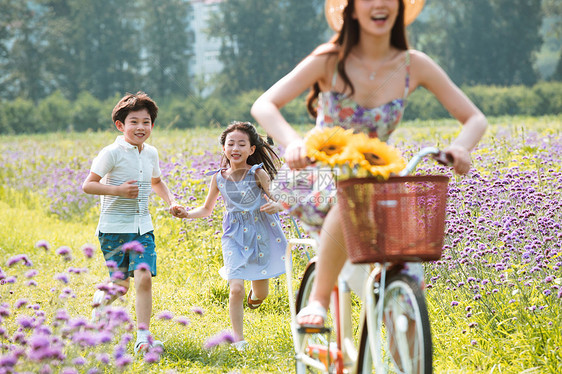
[454, 303]
[151, 357]
[62, 277]
[31, 283]
[26, 322]
[42, 244]
[197, 310]
[17, 258]
[133, 246]
[65, 252]
[20, 303]
[220, 338]
[123, 361]
[143, 267]
[31, 273]
[165, 315]
[103, 358]
[112, 265]
[184, 321]
[88, 250]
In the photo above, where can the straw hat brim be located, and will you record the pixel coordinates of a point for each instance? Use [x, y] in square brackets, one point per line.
[334, 12]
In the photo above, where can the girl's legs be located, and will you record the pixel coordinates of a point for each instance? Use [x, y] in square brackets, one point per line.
[236, 307]
[260, 289]
[331, 258]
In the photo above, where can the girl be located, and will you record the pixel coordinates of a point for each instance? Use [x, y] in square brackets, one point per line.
[253, 243]
[361, 80]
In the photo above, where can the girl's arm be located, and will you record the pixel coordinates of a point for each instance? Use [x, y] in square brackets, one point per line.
[266, 109]
[426, 73]
[207, 208]
[271, 207]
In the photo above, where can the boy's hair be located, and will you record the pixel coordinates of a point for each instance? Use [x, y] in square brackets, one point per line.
[133, 102]
[263, 153]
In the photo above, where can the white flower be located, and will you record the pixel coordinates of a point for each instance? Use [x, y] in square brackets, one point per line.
[261, 254]
[264, 272]
[259, 236]
[246, 248]
[273, 224]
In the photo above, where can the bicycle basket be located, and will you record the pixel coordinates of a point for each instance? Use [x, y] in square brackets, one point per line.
[401, 219]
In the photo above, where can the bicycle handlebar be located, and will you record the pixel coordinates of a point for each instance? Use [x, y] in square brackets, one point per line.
[438, 155]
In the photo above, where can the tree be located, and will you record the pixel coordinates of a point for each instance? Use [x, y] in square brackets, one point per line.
[263, 40]
[21, 52]
[94, 46]
[553, 8]
[167, 40]
[484, 41]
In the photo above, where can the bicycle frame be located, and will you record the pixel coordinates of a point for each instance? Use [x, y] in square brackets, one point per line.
[345, 354]
[345, 351]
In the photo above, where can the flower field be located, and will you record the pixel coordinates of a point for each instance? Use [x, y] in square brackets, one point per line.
[494, 298]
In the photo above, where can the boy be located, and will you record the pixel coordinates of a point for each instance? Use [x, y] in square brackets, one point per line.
[130, 170]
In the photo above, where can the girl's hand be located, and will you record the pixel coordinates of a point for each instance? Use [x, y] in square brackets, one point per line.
[271, 207]
[295, 155]
[178, 211]
[461, 158]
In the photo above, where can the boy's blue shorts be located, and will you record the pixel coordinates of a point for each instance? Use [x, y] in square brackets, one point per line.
[128, 262]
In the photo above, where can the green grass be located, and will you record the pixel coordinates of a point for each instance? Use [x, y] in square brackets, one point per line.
[189, 257]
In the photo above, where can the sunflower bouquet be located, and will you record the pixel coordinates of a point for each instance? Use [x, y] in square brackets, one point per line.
[353, 155]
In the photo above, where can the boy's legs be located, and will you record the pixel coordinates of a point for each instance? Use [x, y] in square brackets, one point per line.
[143, 303]
[236, 307]
[331, 258]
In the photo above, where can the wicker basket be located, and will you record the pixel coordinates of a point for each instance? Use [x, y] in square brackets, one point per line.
[401, 219]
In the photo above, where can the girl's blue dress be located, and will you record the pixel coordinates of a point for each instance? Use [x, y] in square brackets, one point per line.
[253, 242]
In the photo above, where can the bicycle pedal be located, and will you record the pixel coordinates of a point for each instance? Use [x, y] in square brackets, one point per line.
[314, 330]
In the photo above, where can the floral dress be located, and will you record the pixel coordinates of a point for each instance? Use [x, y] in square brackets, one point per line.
[253, 242]
[309, 194]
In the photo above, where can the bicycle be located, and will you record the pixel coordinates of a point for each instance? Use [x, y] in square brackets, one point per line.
[394, 329]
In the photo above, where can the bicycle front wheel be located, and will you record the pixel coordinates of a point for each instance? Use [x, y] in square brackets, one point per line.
[401, 340]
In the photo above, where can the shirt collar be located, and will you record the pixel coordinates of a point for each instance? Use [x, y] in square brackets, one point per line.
[120, 140]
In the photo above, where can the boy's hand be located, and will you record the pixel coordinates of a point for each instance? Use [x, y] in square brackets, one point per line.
[177, 210]
[271, 207]
[129, 189]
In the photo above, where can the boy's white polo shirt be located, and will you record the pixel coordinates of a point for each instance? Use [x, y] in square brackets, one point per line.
[116, 164]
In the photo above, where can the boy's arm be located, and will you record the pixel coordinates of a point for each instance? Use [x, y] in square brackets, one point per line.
[162, 190]
[93, 186]
[207, 208]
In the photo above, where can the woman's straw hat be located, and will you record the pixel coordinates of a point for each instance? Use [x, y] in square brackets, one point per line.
[334, 11]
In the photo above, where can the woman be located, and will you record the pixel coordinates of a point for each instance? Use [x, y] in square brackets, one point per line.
[361, 80]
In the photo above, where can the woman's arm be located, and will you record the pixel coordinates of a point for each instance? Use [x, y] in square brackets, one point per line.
[426, 73]
[207, 208]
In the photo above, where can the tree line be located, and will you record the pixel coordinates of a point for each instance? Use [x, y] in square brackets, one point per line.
[83, 51]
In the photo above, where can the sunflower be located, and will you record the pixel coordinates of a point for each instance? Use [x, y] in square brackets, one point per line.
[379, 158]
[326, 145]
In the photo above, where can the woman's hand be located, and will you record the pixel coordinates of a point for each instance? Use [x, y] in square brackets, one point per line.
[295, 155]
[461, 158]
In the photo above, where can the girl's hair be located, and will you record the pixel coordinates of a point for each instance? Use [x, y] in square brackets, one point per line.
[133, 102]
[263, 153]
[347, 38]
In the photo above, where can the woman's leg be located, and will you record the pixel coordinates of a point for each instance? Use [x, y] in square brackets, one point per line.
[331, 258]
[236, 307]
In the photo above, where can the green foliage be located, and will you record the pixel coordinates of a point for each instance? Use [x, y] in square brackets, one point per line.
[54, 112]
[20, 116]
[542, 99]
